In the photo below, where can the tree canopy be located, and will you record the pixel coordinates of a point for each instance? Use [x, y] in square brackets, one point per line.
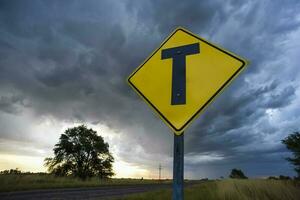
[292, 142]
[82, 153]
[238, 174]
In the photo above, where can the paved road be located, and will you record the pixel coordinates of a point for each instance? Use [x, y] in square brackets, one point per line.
[81, 193]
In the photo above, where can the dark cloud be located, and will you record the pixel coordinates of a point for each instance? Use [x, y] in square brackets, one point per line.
[68, 61]
[167, 15]
[10, 104]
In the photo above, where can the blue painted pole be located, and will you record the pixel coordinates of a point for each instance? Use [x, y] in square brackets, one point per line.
[178, 167]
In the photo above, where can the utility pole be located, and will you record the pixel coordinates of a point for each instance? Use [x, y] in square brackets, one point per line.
[159, 168]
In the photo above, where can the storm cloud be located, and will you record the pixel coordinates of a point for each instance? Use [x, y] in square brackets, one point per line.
[66, 62]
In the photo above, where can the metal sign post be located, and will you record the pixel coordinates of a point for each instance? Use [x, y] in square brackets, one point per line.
[178, 164]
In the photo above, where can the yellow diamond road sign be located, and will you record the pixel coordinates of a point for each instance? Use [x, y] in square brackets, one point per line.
[180, 78]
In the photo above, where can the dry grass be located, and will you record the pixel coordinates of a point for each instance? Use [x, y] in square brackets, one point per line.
[258, 189]
[231, 190]
[211, 190]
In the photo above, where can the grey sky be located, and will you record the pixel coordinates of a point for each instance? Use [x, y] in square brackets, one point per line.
[65, 62]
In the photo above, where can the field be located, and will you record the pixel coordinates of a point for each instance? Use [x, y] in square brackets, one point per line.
[11, 182]
[231, 190]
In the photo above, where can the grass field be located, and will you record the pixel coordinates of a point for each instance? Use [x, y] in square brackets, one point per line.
[231, 190]
[210, 190]
[11, 182]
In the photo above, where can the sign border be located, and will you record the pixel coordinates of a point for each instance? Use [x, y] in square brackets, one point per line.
[202, 108]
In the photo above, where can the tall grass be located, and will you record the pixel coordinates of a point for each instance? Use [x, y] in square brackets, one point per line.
[231, 190]
[13, 182]
[258, 189]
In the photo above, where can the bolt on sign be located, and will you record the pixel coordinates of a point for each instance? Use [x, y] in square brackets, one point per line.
[180, 78]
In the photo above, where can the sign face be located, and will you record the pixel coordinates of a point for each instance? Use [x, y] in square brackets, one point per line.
[183, 76]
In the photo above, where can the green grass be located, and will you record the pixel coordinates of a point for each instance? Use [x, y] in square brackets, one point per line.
[13, 182]
[231, 190]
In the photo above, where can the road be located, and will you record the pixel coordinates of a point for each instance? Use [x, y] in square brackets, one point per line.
[103, 192]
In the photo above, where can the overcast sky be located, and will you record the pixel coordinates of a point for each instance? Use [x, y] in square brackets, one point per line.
[64, 63]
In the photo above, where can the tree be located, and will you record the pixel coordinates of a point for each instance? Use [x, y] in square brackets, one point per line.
[82, 153]
[238, 174]
[292, 143]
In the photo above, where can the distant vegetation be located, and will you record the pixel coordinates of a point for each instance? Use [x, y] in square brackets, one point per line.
[281, 177]
[29, 181]
[231, 189]
[237, 174]
[81, 153]
[12, 171]
[292, 142]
